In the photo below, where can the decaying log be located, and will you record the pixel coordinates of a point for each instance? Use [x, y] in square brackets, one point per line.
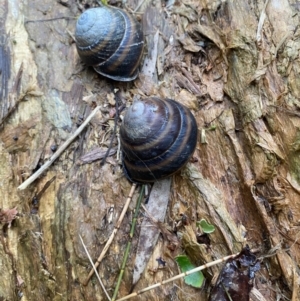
[235, 64]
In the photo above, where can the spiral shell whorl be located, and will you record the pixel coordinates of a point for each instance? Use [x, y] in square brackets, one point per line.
[110, 40]
[157, 137]
[94, 33]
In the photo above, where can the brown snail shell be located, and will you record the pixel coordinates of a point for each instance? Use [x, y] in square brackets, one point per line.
[110, 40]
[158, 136]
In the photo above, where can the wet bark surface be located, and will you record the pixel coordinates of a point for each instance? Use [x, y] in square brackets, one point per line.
[235, 64]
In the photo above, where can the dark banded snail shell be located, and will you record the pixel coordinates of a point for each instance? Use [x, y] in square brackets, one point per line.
[110, 40]
[158, 136]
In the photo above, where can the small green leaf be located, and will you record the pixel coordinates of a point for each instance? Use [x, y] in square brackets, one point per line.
[205, 226]
[195, 279]
[104, 2]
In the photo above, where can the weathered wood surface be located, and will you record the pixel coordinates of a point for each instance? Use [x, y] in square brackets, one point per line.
[234, 63]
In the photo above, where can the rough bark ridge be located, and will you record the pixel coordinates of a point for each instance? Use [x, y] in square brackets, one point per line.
[234, 63]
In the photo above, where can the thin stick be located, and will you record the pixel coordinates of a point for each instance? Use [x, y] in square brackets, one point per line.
[205, 266]
[60, 150]
[108, 243]
[138, 6]
[126, 254]
[91, 261]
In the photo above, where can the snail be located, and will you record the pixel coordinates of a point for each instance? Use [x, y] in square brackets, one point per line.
[110, 40]
[158, 136]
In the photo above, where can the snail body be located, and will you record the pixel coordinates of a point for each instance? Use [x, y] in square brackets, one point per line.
[158, 136]
[110, 40]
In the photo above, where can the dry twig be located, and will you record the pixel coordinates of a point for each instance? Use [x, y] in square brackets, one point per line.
[205, 266]
[126, 254]
[61, 149]
[108, 243]
[95, 269]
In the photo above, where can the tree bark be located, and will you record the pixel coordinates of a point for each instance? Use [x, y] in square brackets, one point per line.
[235, 64]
